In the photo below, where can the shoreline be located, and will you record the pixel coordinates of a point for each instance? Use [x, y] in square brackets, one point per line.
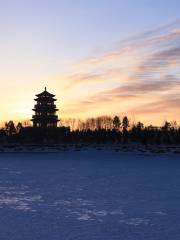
[62, 148]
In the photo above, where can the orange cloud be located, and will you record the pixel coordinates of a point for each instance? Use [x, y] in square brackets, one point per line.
[140, 75]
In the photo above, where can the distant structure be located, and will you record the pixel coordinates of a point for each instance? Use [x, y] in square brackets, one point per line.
[45, 111]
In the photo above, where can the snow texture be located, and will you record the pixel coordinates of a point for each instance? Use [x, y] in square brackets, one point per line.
[92, 195]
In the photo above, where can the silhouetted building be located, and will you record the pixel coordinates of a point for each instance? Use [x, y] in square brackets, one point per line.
[45, 111]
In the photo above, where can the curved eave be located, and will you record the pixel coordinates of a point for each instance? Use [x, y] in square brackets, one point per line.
[45, 120]
[38, 119]
[45, 93]
[41, 99]
[45, 110]
[42, 94]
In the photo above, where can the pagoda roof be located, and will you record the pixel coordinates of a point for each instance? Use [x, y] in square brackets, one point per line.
[45, 93]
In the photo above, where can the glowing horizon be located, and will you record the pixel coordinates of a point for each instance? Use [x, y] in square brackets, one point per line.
[97, 58]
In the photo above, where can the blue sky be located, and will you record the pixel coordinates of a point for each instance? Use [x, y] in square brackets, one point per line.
[43, 39]
[73, 29]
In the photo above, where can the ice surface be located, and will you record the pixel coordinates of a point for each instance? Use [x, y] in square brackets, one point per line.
[89, 195]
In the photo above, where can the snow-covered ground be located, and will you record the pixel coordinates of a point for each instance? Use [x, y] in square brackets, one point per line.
[55, 148]
[89, 195]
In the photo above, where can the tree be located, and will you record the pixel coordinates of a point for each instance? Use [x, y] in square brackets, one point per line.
[167, 126]
[140, 126]
[174, 125]
[125, 123]
[116, 123]
[10, 128]
[19, 127]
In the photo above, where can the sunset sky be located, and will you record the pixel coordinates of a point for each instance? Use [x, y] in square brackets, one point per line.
[100, 57]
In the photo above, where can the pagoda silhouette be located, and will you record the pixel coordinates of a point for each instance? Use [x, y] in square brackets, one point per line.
[45, 111]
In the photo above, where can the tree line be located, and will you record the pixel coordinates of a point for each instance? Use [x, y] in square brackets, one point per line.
[104, 129]
[98, 123]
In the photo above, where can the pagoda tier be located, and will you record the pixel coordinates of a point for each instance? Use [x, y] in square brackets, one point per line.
[45, 111]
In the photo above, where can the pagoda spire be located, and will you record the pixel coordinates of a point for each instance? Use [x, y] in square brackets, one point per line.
[45, 111]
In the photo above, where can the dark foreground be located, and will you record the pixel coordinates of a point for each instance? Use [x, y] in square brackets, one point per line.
[89, 195]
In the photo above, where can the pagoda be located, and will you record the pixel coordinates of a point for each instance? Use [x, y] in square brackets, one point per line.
[45, 111]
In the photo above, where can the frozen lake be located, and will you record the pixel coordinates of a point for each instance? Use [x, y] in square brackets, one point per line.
[89, 196]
